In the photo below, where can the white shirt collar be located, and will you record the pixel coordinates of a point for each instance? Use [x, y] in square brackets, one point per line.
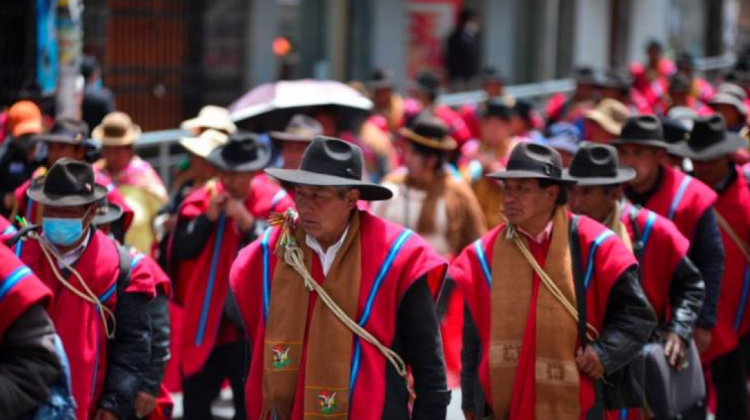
[327, 257]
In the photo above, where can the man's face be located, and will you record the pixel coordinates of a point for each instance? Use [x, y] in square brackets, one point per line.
[328, 121]
[418, 165]
[381, 97]
[679, 98]
[117, 157]
[595, 202]
[596, 133]
[654, 55]
[584, 91]
[644, 159]
[237, 184]
[518, 125]
[732, 117]
[524, 200]
[201, 169]
[493, 88]
[495, 131]
[323, 211]
[57, 151]
[292, 152]
[711, 172]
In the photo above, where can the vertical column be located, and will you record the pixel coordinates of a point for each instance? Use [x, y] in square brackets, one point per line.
[591, 37]
[390, 37]
[498, 35]
[261, 63]
[336, 38]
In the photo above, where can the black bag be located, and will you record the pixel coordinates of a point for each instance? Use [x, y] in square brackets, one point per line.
[669, 392]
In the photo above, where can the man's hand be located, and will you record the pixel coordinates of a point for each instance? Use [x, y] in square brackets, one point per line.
[215, 206]
[702, 338]
[469, 416]
[102, 414]
[674, 350]
[145, 403]
[588, 362]
[237, 211]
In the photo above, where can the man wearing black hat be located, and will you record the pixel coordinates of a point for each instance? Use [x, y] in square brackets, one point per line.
[338, 304]
[710, 147]
[493, 85]
[151, 394]
[104, 325]
[652, 79]
[672, 283]
[525, 120]
[427, 199]
[617, 84]
[686, 201]
[425, 90]
[214, 223]
[561, 108]
[682, 93]
[700, 88]
[68, 138]
[525, 348]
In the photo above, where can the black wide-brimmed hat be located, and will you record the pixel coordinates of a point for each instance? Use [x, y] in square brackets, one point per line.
[534, 160]
[67, 131]
[330, 162]
[709, 140]
[68, 183]
[430, 131]
[242, 153]
[498, 108]
[644, 130]
[597, 164]
[107, 212]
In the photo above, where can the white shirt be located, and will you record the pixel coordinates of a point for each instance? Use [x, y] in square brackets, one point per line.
[327, 257]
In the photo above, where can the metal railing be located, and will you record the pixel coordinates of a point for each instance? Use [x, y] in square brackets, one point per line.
[161, 149]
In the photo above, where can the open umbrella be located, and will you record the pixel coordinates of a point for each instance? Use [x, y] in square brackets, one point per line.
[270, 106]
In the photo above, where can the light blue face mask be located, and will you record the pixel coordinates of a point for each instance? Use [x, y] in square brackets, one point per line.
[63, 232]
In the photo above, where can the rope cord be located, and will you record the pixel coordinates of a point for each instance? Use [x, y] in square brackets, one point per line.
[86, 294]
[591, 331]
[295, 258]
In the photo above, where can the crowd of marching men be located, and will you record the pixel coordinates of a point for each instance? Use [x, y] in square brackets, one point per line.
[586, 261]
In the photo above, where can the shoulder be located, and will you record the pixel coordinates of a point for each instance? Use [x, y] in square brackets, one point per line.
[253, 257]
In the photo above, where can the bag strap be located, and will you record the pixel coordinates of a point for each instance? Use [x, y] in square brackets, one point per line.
[588, 330]
[727, 228]
[123, 277]
[575, 258]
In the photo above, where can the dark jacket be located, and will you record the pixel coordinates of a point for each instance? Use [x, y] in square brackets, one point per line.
[628, 323]
[418, 343]
[129, 353]
[28, 364]
[160, 332]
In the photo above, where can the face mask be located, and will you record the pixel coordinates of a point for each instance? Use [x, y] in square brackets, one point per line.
[63, 232]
